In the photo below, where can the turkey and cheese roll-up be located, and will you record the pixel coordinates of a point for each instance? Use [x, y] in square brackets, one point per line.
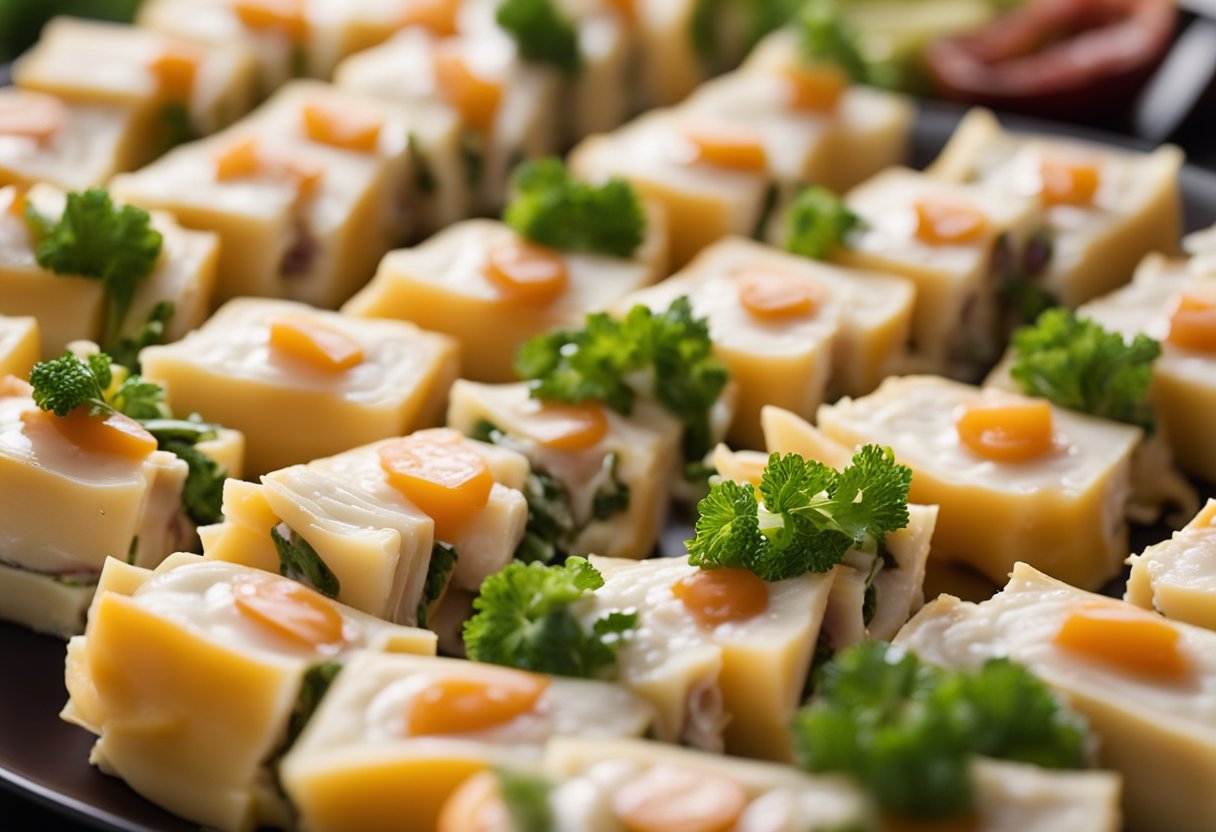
[302, 383]
[197, 676]
[1177, 577]
[1103, 209]
[1146, 686]
[383, 528]
[396, 735]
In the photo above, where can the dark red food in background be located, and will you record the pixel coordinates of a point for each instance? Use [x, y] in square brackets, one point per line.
[1069, 59]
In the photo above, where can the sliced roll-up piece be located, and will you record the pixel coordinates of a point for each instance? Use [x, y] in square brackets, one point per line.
[1144, 684]
[1177, 577]
[196, 677]
[398, 734]
[1103, 208]
[302, 383]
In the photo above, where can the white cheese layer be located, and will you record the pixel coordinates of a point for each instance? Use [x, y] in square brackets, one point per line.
[1177, 577]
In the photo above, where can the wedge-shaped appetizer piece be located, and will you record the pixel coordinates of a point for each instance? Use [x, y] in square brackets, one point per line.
[789, 329]
[69, 144]
[1016, 478]
[621, 785]
[418, 144]
[1104, 209]
[671, 62]
[722, 654]
[292, 38]
[296, 218]
[483, 284]
[509, 109]
[197, 676]
[180, 89]
[955, 242]
[89, 269]
[1177, 577]
[987, 747]
[302, 383]
[711, 174]
[385, 527]
[18, 346]
[600, 482]
[835, 134]
[1144, 684]
[1169, 303]
[396, 735]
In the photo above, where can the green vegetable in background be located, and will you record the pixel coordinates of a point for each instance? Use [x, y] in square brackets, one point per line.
[1074, 363]
[97, 239]
[299, 561]
[527, 800]
[552, 208]
[818, 223]
[438, 572]
[523, 620]
[908, 731]
[667, 356]
[807, 515]
[542, 33]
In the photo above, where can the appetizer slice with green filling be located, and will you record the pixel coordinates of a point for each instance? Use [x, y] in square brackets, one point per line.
[302, 383]
[179, 89]
[1144, 684]
[91, 439]
[956, 242]
[508, 109]
[618, 785]
[791, 331]
[1103, 209]
[417, 142]
[397, 735]
[198, 676]
[66, 143]
[564, 250]
[1177, 577]
[1016, 478]
[984, 745]
[94, 270]
[383, 528]
[19, 346]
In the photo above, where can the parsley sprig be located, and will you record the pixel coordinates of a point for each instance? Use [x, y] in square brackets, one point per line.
[818, 223]
[552, 208]
[908, 731]
[667, 356]
[1075, 363]
[523, 620]
[542, 33]
[805, 516]
[94, 238]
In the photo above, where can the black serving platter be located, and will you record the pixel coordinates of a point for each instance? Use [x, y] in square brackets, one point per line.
[44, 761]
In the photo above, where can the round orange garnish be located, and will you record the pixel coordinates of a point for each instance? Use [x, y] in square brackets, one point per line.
[627, 9]
[112, 433]
[437, 16]
[1126, 638]
[1006, 430]
[441, 475]
[526, 272]
[671, 799]
[290, 610]
[175, 69]
[1193, 323]
[475, 98]
[719, 596]
[566, 427]
[816, 89]
[322, 347]
[773, 295]
[948, 223]
[31, 116]
[727, 147]
[1064, 182]
[474, 700]
[239, 160]
[286, 16]
[342, 126]
[475, 806]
